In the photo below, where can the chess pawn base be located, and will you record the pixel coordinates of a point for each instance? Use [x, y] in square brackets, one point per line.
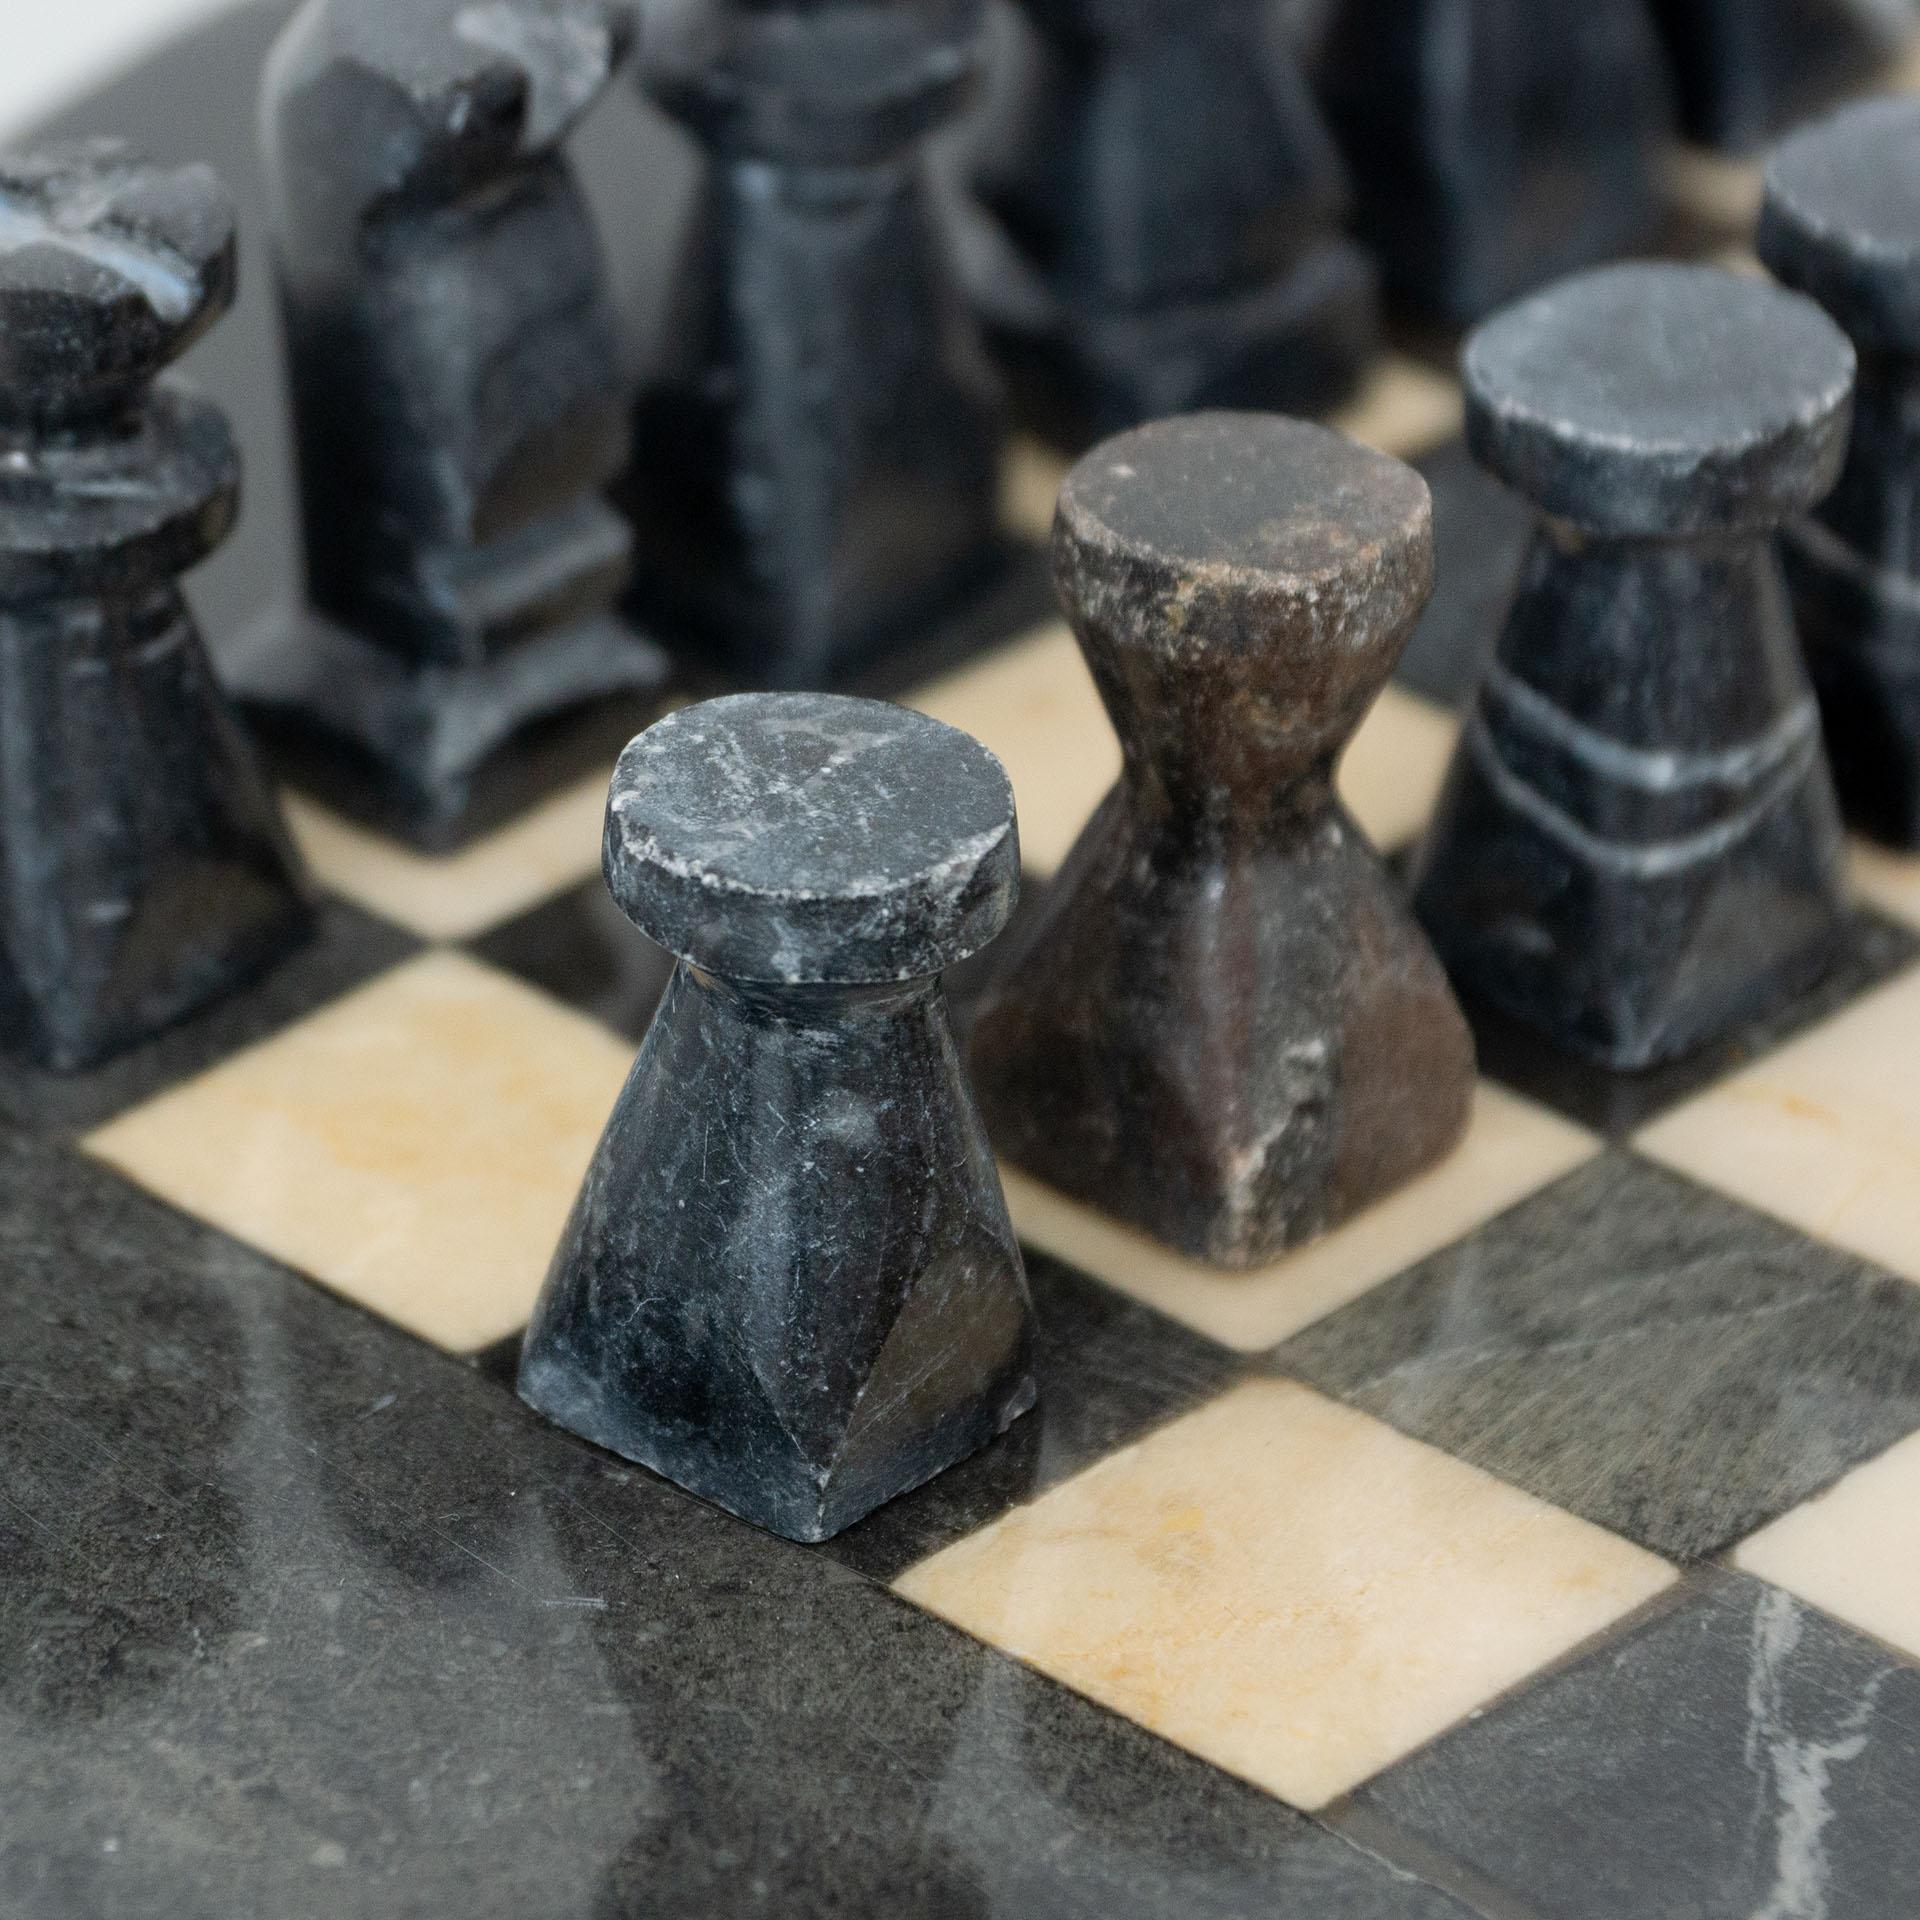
[418, 738]
[1273, 1007]
[1861, 628]
[144, 867]
[827, 1329]
[1296, 345]
[1639, 871]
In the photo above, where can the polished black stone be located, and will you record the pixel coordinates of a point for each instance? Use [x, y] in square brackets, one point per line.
[815, 472]
[1223, 1025]
[790, 1283]
[457, 392]
[1637, 1350]
[1164, 215]
[1109, 1370]
[144, 868]
[1496, 144]
[298, 1617]
[1639, 849]
[1749, 69]
[1739, 1755]
[1842, 223]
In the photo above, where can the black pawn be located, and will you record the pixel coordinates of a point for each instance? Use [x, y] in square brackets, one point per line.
[816, 462]
[1639, 847]
[1749, 69]
[1168, 207]
[458, 394]
[1496, 144]
[1842, 223]
[790, 1284]
[1222, 1025]
[144, 869]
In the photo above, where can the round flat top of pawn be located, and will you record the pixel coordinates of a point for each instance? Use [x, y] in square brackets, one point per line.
[109, 268]
[1661, 399]
[811, 838]
[1241, 508]
[1842, 219]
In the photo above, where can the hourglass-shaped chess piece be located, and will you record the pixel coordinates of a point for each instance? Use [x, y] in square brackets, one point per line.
[1222, 1025]
[144, 869]
[1639, 846]
[790, 1283]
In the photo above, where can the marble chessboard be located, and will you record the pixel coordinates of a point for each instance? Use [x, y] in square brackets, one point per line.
[1543, 1543]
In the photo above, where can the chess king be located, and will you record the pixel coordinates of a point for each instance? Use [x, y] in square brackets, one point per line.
[456, 380]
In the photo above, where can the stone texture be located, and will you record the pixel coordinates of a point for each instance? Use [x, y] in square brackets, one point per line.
[144, 867]
[790, 1283]
[1739, 1755]
[1749, 69]
[1639, 848]
[1223, 1027]
[1841, 222]
[1496, 144]
[1214, 274]
[1640, 1351]
[457, 393]
[815, 474]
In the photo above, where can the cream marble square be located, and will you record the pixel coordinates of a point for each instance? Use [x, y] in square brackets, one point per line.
[1890, 880]
[416, 1146]
[1855, 1551]
[1287, 1588]
[1512, 1150]
[1035, 705]
[453, 896]
[1824, 1133]
[1402, 408]
[1030, 477]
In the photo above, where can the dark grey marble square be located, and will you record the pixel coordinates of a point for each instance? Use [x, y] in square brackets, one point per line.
[300, 1617]
[1638, 1350]
[1108, 1370]
[1736, 1756]
[347, 950]
[1618, 1105]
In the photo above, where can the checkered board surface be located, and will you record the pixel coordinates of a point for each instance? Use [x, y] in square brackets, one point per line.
[1551, 1532]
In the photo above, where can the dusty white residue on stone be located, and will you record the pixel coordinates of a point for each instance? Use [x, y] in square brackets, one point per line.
[168, 284]
[1795, 1772]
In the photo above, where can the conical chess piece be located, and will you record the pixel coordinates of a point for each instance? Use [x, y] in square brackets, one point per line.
[458, 396]
[144, 869]
[1639, 847]
[1842, 223]
[1222, 1025]
[1168, 207]
[790, 1283]
[816, 465]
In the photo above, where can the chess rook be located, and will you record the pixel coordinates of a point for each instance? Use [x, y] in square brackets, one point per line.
[1496, 144]
[1749, 69]
[1842, 223]
[1639, 845]
[1167, 205]
[790, 1283]
[144, 870]
[457, 391]
[1222, 1025]
[816, 455]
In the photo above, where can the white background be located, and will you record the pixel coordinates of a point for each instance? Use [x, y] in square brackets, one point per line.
[53, 50]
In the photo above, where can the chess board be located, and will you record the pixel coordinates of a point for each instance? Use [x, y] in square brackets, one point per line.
[1546, 1542]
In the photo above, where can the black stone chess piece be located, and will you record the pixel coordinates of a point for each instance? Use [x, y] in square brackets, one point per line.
[1842, 223]
[144, 869]
[816, 470]
[790, 1283]
[1222, 1025]
[1167, 207]
[1496, 144]
[1749, 69]
[1639, 847]
[457, 386]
